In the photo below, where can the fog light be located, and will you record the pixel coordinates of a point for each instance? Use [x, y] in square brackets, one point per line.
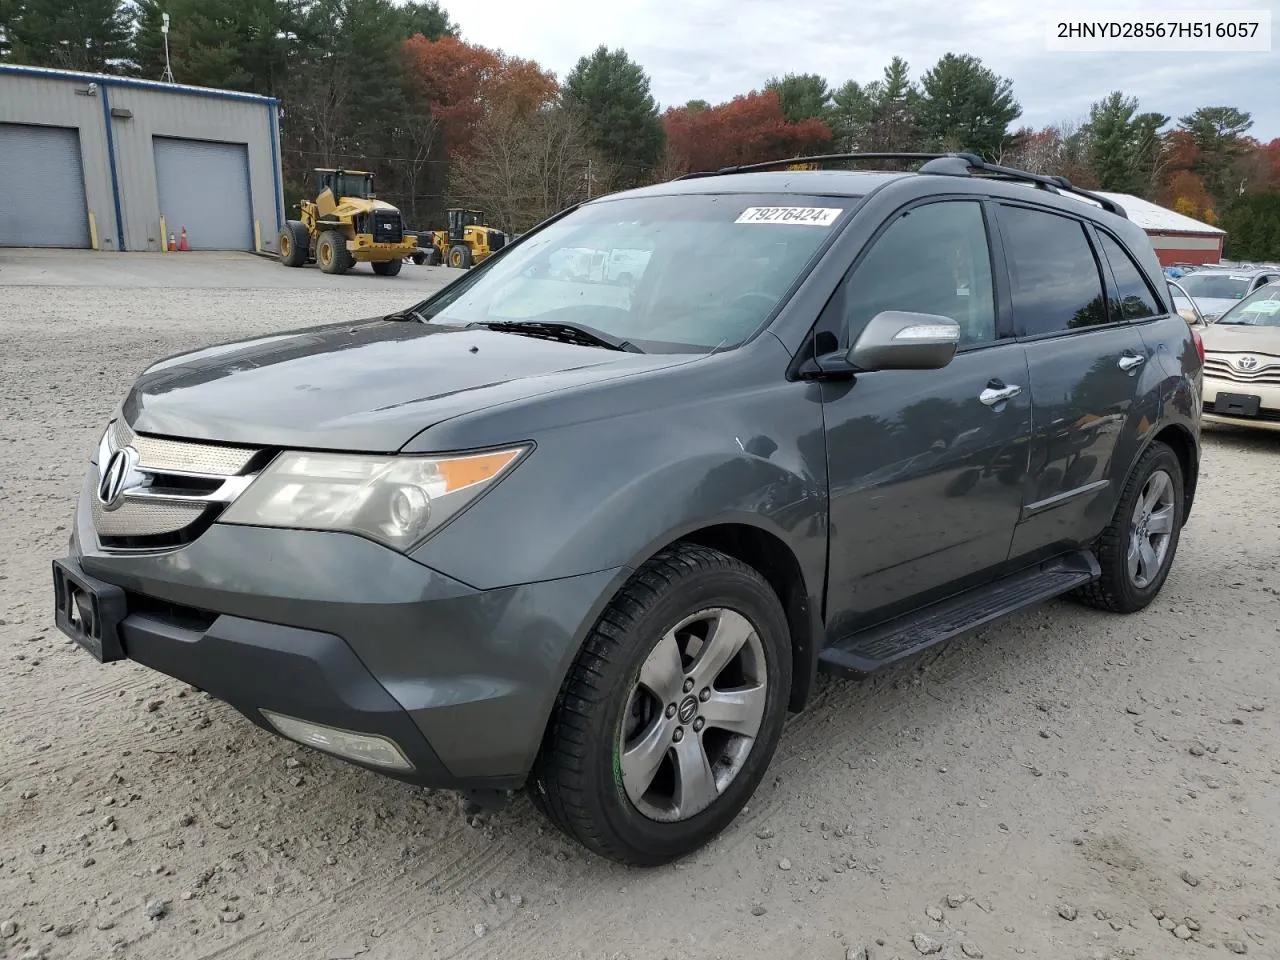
[363, 747]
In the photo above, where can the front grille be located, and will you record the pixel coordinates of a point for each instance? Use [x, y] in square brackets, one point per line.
[387, 226]
[1226, 366]
[159, 453]
[177, 488]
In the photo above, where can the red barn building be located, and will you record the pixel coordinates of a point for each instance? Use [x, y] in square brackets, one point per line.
[1176, 238]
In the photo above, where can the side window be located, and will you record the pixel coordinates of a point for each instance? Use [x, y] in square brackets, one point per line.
[1056, 283]
[932, 259]
[1133, 296]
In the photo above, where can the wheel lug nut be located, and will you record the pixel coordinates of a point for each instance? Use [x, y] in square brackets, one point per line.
[705, 695]
[688, 684]
[678, 735]
[698, 725]
[671, 710]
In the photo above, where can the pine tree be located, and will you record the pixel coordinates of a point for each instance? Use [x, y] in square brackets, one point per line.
[90, 35]
[609, 94]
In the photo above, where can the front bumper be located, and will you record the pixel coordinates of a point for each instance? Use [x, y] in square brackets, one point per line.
[335, 629]
[1268, 416]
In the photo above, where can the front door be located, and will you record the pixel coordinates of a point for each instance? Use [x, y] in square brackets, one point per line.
[925, 467]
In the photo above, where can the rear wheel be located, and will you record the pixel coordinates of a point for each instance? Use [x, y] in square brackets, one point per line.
[331, 252]
[294, 244]
[1136, 550]
[387, 268]
[671, 712]
[460, 257]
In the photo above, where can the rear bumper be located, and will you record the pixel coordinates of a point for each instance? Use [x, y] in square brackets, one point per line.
[334, 629]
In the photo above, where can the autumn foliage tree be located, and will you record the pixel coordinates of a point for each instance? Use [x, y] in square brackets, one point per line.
[462, 84]
[748, 129]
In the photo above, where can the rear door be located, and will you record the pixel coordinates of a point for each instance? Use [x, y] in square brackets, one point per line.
[1086, 374]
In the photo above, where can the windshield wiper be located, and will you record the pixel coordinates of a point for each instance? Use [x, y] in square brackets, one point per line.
[564, 332]
[407, 314]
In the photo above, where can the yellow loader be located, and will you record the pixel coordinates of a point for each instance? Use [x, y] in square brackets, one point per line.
[468, 240]
[345, 225]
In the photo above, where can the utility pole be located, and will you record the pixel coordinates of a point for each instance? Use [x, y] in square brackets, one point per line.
[590, 179]
[167, 76]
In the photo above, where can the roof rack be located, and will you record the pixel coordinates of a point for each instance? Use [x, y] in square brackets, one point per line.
[943, 164]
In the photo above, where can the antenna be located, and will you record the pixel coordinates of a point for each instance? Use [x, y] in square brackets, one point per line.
[167, 76]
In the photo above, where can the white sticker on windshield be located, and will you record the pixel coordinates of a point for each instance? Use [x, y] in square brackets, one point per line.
[1262, 306]
[800, 216]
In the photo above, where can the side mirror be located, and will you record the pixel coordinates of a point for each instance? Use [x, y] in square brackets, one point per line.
[1199, 317]
[899, 340]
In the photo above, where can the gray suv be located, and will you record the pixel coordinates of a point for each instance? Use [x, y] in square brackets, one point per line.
[595, 538]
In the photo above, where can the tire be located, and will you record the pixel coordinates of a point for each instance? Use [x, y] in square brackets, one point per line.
[460, 257]
[580, 777]
[294, 244]
[332, 253]
[387, 268]
[419, 257]
[1119, 589]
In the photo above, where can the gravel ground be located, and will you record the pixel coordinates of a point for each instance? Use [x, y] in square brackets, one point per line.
[1066, 785]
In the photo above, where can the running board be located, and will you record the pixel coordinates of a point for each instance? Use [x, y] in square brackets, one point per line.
[889, 642]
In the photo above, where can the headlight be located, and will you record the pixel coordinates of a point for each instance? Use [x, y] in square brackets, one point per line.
[397, 500]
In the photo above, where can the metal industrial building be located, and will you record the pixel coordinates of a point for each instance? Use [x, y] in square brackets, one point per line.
[1175, 237]
[113, 163]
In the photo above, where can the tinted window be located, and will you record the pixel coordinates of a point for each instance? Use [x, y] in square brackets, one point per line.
[1133, 296]
[1056, 284]
[933, 259]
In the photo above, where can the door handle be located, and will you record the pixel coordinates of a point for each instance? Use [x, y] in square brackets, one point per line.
[997, 393]
[1131, 361]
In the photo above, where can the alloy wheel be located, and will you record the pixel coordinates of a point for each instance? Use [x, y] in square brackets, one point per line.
[1151, 529]
[693, 716]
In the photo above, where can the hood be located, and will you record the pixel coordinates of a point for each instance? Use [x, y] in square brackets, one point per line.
[1241, 338]
[369, 386]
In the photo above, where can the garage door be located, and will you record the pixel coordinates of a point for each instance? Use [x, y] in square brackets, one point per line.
[204, 186]
[41, 187]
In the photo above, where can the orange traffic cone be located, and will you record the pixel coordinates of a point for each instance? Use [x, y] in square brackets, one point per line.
[182, 240]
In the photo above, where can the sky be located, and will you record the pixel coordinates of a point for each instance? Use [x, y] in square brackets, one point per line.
[715, 49]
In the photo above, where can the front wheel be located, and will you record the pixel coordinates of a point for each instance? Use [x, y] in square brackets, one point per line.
[1137, 548]
[671, 712]
[460, 257]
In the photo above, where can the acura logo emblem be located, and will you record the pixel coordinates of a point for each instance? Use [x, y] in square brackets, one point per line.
[1247, 362]
[116, 476]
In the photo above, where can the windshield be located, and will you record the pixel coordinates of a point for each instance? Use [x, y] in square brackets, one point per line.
[1215, 286]
[1260, 309]
[673, 274]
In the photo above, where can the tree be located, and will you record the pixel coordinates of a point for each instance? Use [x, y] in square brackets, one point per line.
[748, 129]
[1124, 146]
[804, 96]
[609, 95]
[1253, 227]
[88, 35]
[526, 166]
[426, 18]
[965, 106]
[1218, 135]
[231, 44]
[461, 83]
[1185, 192]
[881, 116]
